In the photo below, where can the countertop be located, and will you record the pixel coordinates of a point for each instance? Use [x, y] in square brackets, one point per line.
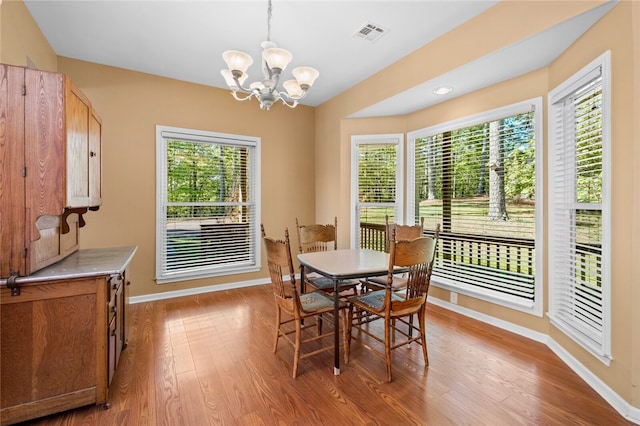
[84, 263]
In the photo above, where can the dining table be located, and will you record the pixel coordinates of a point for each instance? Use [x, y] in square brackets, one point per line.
[342, 264]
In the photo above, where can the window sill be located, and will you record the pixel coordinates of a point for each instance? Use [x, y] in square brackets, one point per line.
[201, 274]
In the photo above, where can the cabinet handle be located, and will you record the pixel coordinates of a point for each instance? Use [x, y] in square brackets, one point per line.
[114, 309]
[92, 153]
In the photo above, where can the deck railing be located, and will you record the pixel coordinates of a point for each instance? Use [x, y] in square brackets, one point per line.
[372, 236]
[504, 265]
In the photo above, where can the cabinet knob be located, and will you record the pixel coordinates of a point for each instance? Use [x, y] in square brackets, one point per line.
[114, 309]
[92, 153]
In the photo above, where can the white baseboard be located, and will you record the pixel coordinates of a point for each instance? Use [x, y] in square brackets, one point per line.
[197, 290]
[625, 409]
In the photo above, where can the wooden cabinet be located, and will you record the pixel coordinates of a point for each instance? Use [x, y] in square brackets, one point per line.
[61, 340]
[50, 168]
[83, 160]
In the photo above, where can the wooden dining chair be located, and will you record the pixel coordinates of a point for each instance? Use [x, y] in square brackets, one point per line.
[396, 309]
[401, 232]
[296, 305]
[314, 238]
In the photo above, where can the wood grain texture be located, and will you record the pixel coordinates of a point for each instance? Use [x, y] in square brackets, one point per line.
[207, 360]
[52, 348]
[95, 159]
[44, 152]
[12, 203]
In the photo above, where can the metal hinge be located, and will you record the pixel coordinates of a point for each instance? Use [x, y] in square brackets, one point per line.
[24, 90]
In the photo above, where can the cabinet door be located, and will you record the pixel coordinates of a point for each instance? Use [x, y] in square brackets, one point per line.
[12, 239]
[78, 111]
[95, 160]
[52, 346]
[44, 163]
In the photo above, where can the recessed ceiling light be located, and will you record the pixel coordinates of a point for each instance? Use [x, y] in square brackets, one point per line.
[443, 90]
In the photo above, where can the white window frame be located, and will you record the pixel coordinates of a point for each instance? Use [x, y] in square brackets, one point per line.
[535, 308]
[600, 349]
[164, 133]
[398, 206]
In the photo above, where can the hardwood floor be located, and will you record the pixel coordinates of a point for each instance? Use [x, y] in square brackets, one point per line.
[207, 359]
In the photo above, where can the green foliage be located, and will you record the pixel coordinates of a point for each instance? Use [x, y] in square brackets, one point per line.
[588, 128]
[377, 173]
[465, 154]
[204, 177]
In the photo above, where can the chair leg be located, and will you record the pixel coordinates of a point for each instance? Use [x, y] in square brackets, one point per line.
[345, 334]
[278, 317]
[387, 346]
[347, 326]
[423, 335]
[296, 349]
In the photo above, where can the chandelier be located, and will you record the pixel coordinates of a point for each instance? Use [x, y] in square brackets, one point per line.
[274, 62]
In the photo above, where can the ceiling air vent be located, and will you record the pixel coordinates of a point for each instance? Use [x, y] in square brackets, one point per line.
[371, 32]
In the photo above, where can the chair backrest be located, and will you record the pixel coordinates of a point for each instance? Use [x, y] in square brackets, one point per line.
[402, 232]
[280, 265]
[417, 255]
[312, 238]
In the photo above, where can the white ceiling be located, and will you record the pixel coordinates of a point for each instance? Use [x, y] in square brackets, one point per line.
[184, 40]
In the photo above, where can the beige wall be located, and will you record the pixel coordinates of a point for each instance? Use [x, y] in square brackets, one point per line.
[297, 182]
[635, 227]
[131, 104]
[498, 27]
[21, 41]
[613, 32]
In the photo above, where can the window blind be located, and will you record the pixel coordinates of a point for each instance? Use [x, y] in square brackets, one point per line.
[207, 220]
[578, 283]
[377, 180]
[479, 182]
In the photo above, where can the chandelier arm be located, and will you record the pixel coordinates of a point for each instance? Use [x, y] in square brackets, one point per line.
[292, 105]
[238, 98]
[241, 88]
[268, 74]
[295, 100]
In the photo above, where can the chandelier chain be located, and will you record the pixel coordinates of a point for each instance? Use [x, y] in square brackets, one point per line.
[269, 9]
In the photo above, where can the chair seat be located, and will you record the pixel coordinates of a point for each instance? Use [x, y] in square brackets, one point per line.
[398, 282]
[317, 301]
[374, 299]
[326, 284]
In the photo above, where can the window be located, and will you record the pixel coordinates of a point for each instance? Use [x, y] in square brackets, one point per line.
[579, 208]
[478, 178]
[207, 211]
[376, 186]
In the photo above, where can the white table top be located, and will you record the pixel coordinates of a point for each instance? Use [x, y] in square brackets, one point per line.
[346, 263]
